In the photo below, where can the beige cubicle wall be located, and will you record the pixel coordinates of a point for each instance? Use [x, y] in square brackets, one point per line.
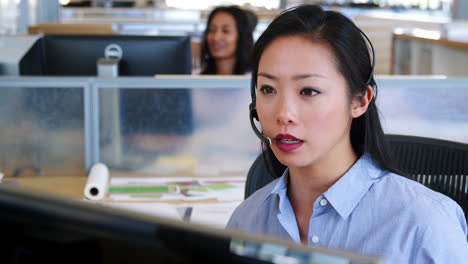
[379, 28]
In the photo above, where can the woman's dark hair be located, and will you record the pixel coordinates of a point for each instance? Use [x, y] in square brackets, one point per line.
[353, 61]
[244, 40]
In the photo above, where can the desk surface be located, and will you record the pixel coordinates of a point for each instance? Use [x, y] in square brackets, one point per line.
[70, 187]
[73, 186]
[209, 211]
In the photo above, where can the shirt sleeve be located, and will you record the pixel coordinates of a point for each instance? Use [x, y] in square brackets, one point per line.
[232, 223]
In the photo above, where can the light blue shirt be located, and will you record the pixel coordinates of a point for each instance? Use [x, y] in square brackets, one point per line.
[368, 211]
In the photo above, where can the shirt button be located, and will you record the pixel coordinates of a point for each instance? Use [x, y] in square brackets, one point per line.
[323, 202]
[315, 239]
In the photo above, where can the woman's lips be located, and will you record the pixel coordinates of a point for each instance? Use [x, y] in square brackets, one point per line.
[287, 143]
[216, 47]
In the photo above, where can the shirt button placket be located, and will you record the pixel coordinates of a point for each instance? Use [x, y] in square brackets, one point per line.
[315, 239]
[323, 202]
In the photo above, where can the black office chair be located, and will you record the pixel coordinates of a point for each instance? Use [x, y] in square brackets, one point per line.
[438, 164]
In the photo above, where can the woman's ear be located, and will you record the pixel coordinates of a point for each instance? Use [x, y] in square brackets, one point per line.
[361, 102]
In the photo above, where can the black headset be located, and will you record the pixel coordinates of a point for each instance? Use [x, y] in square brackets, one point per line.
[253, 108]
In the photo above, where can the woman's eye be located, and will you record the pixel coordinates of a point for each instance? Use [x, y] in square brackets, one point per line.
[226, 31]
[309, 91]
[266, 89]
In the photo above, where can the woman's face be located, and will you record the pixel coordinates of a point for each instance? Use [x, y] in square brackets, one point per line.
[302, 102]
[222, 36]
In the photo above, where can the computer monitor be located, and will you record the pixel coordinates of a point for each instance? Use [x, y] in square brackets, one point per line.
[77, 55]
[140, 111]
[37, 227]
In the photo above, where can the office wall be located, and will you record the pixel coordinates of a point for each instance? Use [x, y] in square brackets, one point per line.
[460, 9]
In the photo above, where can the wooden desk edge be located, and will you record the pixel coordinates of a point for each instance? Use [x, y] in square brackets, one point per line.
[441, 41]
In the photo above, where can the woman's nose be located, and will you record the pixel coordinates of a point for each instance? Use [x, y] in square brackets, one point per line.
[286, 110]
[217, 35]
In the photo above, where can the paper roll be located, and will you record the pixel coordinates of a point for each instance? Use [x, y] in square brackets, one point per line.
[98, 182]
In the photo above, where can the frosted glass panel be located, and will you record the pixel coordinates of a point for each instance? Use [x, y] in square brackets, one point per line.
[42, 131]
[439, 111]
[203, 131]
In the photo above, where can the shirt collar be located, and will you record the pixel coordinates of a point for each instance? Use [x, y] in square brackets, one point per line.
[359, 178]
[282, 183]
[280, 189]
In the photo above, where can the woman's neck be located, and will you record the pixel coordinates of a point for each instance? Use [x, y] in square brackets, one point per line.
[306, 184]
[225, 66]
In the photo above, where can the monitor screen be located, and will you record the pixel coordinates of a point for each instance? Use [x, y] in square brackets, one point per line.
[38, 227]
[77, 55]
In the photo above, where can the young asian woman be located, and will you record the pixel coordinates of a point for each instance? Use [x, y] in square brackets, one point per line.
[315, 98]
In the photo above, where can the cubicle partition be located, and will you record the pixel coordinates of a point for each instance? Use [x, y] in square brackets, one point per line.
[164, 125]
[434, 107]
[175, 125]
[179, 124]
[43, 126]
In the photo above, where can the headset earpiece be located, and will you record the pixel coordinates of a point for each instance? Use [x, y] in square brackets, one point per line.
[253, 115]
[253, 105]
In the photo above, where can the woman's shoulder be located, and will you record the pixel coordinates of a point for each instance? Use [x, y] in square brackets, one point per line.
[257, 204]
[258, 198]
[416, 207]
[403, 186]
[411, 194]
[440, 222]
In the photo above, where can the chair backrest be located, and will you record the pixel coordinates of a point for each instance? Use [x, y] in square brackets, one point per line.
[438, 164]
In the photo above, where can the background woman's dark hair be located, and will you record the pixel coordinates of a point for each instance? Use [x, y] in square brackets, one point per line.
[353, 62]
[244, 40]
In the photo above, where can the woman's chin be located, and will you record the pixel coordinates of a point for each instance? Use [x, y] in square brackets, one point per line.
[293, 161]
[221, 56]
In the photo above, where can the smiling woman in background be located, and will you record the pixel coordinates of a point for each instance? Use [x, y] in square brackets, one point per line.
[227, 41]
